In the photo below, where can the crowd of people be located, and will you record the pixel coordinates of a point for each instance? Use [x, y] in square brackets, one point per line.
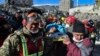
[40, 34]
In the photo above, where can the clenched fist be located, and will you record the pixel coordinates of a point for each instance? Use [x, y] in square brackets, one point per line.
[66, 41]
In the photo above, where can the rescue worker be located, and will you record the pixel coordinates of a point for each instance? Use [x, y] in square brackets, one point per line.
[25, 41]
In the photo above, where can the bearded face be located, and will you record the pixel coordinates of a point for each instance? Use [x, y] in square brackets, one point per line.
[33, 23]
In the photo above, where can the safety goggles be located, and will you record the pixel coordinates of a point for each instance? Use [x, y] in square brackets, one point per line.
[33, 19]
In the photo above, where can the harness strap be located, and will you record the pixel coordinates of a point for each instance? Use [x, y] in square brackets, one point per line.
[24, 45]
[25, 48]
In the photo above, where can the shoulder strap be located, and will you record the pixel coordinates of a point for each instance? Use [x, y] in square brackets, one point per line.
[24, 45]
[23, 41]
[25, 48]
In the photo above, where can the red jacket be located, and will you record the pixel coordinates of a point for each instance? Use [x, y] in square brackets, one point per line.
[74, 50]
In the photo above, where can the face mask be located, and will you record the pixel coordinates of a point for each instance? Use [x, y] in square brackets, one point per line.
[67, 25]
[77, 40]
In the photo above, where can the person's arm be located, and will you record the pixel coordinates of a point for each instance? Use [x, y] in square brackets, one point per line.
[72, 49]
[10, 46]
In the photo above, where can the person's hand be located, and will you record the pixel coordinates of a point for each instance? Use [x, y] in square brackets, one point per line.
[66, 41]
[52, 29]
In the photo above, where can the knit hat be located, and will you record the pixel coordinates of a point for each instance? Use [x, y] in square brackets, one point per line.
[78, 27]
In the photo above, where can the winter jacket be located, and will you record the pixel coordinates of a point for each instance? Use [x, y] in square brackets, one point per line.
[12, 46]
[60, 27]
[83, 48]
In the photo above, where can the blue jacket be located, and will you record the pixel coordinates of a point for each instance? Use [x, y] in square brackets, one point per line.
[60, 27]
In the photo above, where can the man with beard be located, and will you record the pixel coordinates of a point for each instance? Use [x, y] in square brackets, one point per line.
[26, 41]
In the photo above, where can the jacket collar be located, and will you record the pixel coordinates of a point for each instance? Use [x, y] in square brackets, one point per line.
[26, 31]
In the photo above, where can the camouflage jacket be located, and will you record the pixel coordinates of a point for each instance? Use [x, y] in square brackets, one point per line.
[10, 46]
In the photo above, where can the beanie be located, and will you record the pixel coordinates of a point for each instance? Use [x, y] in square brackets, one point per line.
[78, 26]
